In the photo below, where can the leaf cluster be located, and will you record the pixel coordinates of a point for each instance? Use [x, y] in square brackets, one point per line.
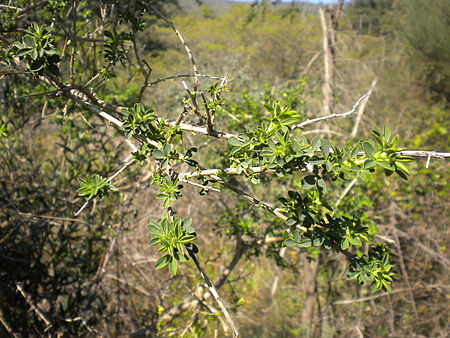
[37, 49]
[95, 186]
[373, 268]
[174, 235]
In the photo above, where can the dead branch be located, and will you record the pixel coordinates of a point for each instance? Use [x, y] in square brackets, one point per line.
[214, 293]
[361, 109]
[384, 294]
[334, 115]
[33, 306]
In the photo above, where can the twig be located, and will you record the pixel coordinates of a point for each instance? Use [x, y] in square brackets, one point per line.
[141, 64]
[424, 153]
[35, 308]
[332, 116]
[361, 109]
[125, 282]
[182, 75]
[180, 37]
[253, 200]
[436, 255]
[345, 192]
[53, 217]
[214, 293]
[77, 96]
[209, 117]
[202, 130]
[7, 326]
[324, 131]
[28, 96]
[309, 64]
[198, 185]
[126, 165]
[384, 294]
[404, 272]
[232, 171]
[102, 267]
[11, 7]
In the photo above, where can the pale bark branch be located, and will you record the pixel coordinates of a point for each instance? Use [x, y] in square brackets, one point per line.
[384, 294]
[180, 37]
[126, 165]
[8, 326]
[216, 296]
[424, 153]
[361, 108]
[332, 116]
[33, 306]
[181, 76]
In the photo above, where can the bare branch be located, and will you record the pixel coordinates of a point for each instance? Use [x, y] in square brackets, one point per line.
[332, 116]
[345, 192]
[180, 37]
[29, 96]
[34, 307]
[424, 153]
[384, 294]
[361, 109]
[126, 165]
[11, 7]
[182, 75]
[216, 296]
[8, 326]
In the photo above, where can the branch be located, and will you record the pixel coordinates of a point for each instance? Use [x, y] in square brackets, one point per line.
[28, 96]
[126, 165]
[424, 153]
[345, 192]
[361, 109]
[35, 308]
[201, 130]
[232, 171]
[8, 326]
[384, 294]
[180, 37]
[180, 76]
[216, 296]
[332, 116]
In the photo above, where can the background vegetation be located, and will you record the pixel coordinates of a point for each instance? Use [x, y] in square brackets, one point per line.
[94, 274]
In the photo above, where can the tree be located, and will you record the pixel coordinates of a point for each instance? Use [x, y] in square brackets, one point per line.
[43, 60]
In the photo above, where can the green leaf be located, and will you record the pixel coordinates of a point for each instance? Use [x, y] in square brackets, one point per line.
[325, 146]
[355, 241]
[306, 243]
[291, 221]
[173, 266]
[321, 185]
[53, 69]
[315, 144]
[345, 244]
[159, 155]
[386, 134]
[162, 262]
[234, 142]
[24, 51]
[29, 41]
[368, 149]
[385, 164]
[289, 243]
[309, 182]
